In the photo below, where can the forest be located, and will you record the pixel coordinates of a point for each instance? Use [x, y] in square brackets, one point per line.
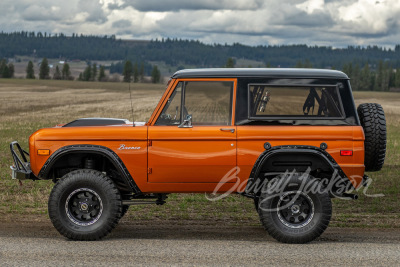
[371, 67]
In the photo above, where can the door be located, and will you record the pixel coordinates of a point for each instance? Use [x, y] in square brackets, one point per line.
[194, 140]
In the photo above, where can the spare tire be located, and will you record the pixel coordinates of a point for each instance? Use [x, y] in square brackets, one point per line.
[373, 121]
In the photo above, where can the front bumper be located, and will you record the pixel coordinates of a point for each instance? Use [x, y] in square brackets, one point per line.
[21, 169]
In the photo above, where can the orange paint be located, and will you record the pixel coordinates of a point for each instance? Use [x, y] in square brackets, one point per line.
[196, 159]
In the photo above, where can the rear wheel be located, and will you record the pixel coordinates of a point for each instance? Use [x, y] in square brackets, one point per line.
[295, 214]
[85, 205]
[372, 118]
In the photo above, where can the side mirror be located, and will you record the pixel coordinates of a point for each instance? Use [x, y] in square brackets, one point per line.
[187, 123]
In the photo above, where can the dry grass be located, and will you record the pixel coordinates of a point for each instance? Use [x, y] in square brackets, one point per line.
[29, 105]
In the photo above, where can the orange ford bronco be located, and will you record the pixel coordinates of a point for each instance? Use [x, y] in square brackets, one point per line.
[291, 139]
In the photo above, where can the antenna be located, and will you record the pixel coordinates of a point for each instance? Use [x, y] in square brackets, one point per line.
[130, 94]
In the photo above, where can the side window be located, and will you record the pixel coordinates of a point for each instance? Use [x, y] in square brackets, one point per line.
[209, 103]
[171, 114]
[299, 102]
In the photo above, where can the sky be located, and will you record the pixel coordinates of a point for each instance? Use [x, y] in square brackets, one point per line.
[252, 22]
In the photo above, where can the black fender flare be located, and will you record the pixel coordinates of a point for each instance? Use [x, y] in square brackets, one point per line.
[290, 149]
[91, 149]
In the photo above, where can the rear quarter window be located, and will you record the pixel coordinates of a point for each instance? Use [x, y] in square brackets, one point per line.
[267, 101]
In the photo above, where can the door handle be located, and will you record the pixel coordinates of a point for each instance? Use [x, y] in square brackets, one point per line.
[227, 130]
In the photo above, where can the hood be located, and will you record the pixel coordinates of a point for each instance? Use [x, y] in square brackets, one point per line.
[100, 122]
[94, 129]
[96, 122]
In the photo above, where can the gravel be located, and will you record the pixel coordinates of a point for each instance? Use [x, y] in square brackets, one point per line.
[191, 243]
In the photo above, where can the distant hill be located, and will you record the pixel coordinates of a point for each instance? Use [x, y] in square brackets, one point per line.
[188, 53]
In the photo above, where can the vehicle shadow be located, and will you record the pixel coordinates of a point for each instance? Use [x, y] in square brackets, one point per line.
[204, 231]
[189, 231]
[193, 230]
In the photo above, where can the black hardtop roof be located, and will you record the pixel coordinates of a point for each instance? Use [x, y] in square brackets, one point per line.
[259, 72]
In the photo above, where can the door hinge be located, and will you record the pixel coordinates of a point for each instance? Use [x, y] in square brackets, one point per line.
[149, 143]
[149, 170]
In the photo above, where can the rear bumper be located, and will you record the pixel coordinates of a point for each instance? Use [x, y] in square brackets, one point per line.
[21, 169]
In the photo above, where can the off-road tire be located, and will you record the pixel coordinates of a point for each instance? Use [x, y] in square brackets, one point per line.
[314, 210]
[85, 205]
[372, 118]
[256, 202]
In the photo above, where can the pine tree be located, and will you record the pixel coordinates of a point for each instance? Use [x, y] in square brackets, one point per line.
[3, 66]
[94, 72]
[299, 64]
[366, 79]
[11, 70]
[5, 72]
[387, 70]
[307, 64]
[379, 77]
[57, 74]
[230, 63]
[128, 71]
[397, 79]
[102, 74]
[30, 72]
[155, 75]
[44, 70]
[355, 78]
[66, 72]
[87, 73]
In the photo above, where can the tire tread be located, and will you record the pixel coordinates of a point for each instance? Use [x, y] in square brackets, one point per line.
[77, 177]
[373, 120]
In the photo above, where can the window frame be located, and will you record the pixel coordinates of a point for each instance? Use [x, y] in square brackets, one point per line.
[294, 117]
[232, 102]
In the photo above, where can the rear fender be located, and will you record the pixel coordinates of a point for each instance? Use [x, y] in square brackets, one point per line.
[280, 159]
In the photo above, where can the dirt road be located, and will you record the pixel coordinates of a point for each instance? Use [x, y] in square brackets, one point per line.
[189, 243]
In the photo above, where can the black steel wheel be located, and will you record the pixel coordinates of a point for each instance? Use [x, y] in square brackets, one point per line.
[85, 205]
[295, 209]
[298, 212]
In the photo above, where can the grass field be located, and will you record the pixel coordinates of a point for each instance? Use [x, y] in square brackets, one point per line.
[29, 105]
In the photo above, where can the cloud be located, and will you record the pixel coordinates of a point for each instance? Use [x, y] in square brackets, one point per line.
[316, 19]
[252, 22]
[176, 5]
[123, 23]
[40, 13]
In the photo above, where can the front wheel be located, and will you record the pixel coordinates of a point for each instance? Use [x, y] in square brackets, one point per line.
[298, 212]
[85, 205]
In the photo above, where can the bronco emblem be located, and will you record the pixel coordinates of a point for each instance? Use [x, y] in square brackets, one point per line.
[123, 147]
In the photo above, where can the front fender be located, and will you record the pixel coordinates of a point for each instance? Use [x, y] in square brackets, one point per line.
[90, 149]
